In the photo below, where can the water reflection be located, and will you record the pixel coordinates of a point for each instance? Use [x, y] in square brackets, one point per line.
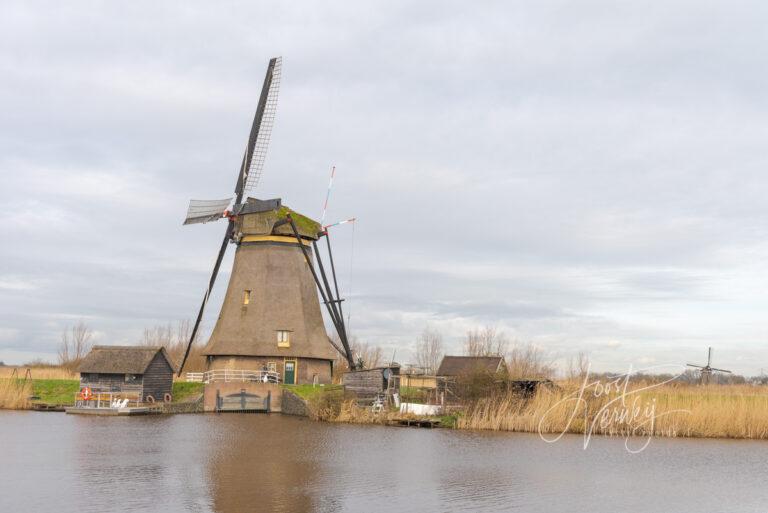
[236, 463]
[260, 463]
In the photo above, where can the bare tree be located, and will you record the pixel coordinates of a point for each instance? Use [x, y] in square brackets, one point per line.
[75, 344]
[183, 332]
[485, 342]
[429, 350]
[158, 335]
[578, 366]
[526, 361]
[370, 355]
[175, 341]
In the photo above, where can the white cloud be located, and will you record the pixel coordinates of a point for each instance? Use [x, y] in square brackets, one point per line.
[586, 178]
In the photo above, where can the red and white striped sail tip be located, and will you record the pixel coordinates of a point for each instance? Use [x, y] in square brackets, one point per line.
[350, 220]
[328, 195]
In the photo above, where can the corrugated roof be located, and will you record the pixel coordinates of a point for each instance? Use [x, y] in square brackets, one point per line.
[458, 365]
[121, 359]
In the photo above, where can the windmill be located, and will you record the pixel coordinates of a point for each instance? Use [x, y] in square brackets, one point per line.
[705, 371]
[270, 317]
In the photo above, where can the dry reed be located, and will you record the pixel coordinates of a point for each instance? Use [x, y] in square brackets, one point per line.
[48, 372]
[347, 411]
[15, 393]
[724, 411]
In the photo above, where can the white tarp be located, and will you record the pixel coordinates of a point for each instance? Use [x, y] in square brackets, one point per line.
[420, 409]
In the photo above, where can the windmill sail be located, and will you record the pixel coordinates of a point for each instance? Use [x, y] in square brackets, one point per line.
[211, 282]
[250, 173]
[203, 211]
[261, 130]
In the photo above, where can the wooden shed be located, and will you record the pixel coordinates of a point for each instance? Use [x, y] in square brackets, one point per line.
[367, 383]
[146, 371]
[455, 366]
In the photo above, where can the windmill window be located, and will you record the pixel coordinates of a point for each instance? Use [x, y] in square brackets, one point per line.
[246, 297]
[283, 338]
[272, 366]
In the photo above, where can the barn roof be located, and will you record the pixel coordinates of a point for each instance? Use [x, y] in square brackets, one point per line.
[121, 359]
[458, 365]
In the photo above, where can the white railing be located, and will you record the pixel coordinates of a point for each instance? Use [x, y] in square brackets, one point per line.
[109, 400]
[234, 375]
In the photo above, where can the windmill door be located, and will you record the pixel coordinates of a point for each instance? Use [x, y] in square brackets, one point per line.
[290, 372]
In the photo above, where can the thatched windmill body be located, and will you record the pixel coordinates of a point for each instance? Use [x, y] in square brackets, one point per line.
[706, 371]
[271, 315]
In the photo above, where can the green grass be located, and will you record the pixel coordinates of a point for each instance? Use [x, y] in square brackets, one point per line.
[183, 390]
[306, 392]
[63, 391]
[413, 394]
[449, 421]
[55, 391]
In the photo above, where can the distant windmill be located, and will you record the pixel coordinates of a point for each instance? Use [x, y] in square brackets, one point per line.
[705, 371]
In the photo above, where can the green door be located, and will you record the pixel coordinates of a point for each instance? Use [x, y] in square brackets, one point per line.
[290, 373]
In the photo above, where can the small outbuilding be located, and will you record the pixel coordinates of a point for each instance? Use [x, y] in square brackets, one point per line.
[367, 383]
[146, 371]
[455, 366]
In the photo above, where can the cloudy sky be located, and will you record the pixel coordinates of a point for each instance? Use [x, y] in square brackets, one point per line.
[585, 176]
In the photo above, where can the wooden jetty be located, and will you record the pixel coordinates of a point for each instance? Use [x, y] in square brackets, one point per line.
[111, 404]
[129, 410]
[408, 422]
[48, 407]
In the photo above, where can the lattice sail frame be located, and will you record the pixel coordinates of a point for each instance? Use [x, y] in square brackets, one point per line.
[204, 211]
[259, 154]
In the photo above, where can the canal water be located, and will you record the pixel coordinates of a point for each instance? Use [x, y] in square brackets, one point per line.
[52, 462]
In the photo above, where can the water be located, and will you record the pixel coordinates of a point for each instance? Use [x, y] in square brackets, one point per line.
[237, 463]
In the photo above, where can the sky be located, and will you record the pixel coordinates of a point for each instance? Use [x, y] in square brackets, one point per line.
[587, 177]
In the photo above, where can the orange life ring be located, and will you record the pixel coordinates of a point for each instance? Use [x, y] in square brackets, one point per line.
[86, 394]
[150, 399]
[167, 397]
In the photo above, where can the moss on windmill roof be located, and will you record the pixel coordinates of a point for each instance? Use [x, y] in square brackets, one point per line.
[263, 223]
[303, 223]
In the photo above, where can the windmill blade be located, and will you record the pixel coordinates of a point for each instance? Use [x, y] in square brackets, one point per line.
[261, 131]
[203, 211]
[697, 366]
[222, 250]
[722, 370]
[709, 357]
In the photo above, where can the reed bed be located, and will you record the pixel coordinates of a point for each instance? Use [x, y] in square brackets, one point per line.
[54, 384]
[47, 372]
[15, 393]
[672, 410]
[334, 407]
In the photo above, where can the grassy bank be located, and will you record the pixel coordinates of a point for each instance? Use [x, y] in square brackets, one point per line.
[307, 392]
[183, 391]
[607, 408]
[21, 394]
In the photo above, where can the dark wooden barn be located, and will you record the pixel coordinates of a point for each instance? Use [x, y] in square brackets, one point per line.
[141, 370]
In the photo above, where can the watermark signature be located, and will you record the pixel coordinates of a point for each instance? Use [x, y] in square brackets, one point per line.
[609, 406]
